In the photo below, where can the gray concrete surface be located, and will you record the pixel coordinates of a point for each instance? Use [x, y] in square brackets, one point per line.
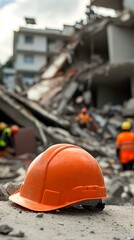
[114, 222]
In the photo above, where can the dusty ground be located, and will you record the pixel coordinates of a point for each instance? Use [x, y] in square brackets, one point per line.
[115, 222]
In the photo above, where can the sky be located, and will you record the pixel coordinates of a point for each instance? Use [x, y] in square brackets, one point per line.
[48, 13]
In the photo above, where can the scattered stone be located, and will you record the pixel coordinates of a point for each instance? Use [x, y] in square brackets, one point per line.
[6, 172]
[3, 193]
[104, 164]
[57, 210]
[20, 234]
[5, 229]
[116, 189]
[40, 215]
[131, 187]
[12, 187]
[124, 196]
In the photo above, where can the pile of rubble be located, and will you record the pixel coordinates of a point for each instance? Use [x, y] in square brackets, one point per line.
[56, 126]
[52, 127]
[101, 144]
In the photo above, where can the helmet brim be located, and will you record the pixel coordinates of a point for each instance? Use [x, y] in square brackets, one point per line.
[34, 206]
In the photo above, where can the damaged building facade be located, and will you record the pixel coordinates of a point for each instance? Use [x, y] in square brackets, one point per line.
[104, 44]
[112, 39]
[33, 49]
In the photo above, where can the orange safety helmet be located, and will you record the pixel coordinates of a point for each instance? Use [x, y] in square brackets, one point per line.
[63, 175]
[14, 129]
[84, 110]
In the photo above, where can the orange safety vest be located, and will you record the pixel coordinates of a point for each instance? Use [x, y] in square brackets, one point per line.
[84, 118]
[125, 143]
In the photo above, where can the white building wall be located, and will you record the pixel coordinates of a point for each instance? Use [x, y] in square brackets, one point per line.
[31, 55]
[128, 4]
[120, 44]
[68, 30]
[38, 62]
[9, 81]
[39, 43]
[9, 77]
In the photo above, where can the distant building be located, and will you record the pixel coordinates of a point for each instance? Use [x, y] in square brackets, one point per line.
[35, 48]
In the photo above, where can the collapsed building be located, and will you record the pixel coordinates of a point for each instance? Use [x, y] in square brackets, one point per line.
[103, 47]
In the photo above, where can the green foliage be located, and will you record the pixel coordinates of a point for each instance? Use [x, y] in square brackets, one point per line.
[8, 64]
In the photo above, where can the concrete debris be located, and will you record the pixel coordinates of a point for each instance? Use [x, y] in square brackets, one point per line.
[6, 172]
[121, 189]
[59, 126]
[56, 66]
[39, 215]
[5, 229]
[17, 168]
[3, 193]
[21, 174]
[8, 189]
[116, 189]
[19, 234]
[12, 187]
[129, 108]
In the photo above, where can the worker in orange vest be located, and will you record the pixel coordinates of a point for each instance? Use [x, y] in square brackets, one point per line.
[83, 118]
[125, 146]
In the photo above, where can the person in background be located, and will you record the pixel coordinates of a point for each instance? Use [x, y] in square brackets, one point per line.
[6, 138]
[132, 124]
[125, 146]
[83, 118]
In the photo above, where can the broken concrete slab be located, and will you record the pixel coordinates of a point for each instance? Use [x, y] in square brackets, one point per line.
[67, 95]
[12, 187]
[3, 193]
[19, 113]
[38, 111]
[5, 229]
[128, 110]
[116, 189]
[51, 71]
[7, 172]
[40, 91]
